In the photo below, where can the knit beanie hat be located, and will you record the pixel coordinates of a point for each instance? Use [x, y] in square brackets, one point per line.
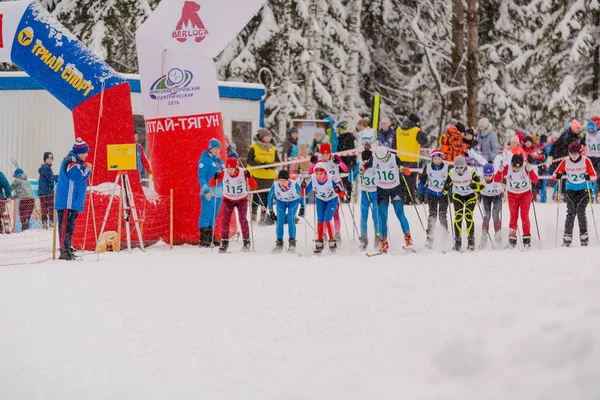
[283, 174]
[213, 144]
[414, 117]
[437, 153]
[325, 148]
[262, 133]
[18, 172]
[484, 122]
[575, 124]
[460, 161]
[80, 147]
[231, 162]
[48, 155]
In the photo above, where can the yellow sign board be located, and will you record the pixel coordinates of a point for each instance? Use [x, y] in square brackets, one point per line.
[121, 157]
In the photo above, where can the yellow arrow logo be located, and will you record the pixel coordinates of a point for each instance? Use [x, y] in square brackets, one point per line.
[25, 37]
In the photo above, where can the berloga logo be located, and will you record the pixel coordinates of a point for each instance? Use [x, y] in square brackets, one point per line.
[190, 25]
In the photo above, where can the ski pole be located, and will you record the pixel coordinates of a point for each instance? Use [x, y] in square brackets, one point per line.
[355, 231]
[537, 226]
[344, 218]
[488, 230]
[250, 209]
[305, 221]
[214, 224]
[413, 201]
[592, 208]
[558, 182]
[451, 216]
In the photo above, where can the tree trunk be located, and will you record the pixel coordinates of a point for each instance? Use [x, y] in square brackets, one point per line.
[353, 72]
[458, 50]
[285, 60]
[472, 63]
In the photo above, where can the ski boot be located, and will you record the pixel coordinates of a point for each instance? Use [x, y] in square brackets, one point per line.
[498, 237]
[278, 246]
[338, 237]
[527, 242]
[332, 245]
[567, 240]
[224, 246]
[457, 244]
[384, 246]
[292, 246]
[484, 240]
[364, 242]
[318, 247]
[377, 241]
[408, 240]
[584, 239]
[246, 246]
[512, 242]
[429, 242]
[471, 243]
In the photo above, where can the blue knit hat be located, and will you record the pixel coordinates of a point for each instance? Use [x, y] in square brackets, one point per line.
[18, 172]
[591, 127]
[214, 143]
[488, 169]
[80, 147]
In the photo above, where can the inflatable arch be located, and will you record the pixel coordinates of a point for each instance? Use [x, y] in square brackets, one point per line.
[98, 97]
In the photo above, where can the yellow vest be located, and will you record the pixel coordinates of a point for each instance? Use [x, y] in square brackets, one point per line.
[263, 156]
[406, 141]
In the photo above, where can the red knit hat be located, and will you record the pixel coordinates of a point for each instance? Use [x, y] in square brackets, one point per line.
[437, 153]
[325, 148]
[231, 162]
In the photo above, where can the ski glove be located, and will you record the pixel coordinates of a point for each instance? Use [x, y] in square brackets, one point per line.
[421, 198]
[314, 159]
[558, 176]
[247, 174]
[587, 177]
[301, 213]
[272, 215]
[303, 185]
[217, 175]
[336, 160]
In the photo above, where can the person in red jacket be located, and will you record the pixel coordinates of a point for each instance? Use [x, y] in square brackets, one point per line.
[519, 179]
[235, 195]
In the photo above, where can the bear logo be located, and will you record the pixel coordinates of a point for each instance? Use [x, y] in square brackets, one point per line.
[190, 25]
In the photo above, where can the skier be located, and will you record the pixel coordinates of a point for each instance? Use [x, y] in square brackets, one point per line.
[519, 180]
[465, 184]
[368, 198]
[327, 191]
[592, 143]
[388, 170]
[580, 174]
[209, 166]
[24, 193]
[288, 196]
[235, 183]
[333, 165]
[431, 182]
[491, 196]
[5, 198]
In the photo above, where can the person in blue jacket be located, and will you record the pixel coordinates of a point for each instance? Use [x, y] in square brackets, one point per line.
[288, 194]
[70, 194]
[368, 198]
[5, 197]
[46, 190]
[209, 166]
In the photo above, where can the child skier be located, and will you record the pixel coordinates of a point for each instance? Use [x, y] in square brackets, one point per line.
[433, 178]
[22, 190]
[46, 190]
[235, 183]
[368, 198]
[465, 185]
[333, 164]
[491, 196]
[388, 182]
[580, 174]
[327, 190]
[519, 180]
[288, 196]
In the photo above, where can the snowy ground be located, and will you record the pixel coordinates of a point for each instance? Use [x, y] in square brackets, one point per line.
[186, 324]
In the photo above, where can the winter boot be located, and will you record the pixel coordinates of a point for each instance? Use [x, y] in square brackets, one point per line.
[332, 245]
[471, 243]
[527, 241]
[224, 246]
[64, 255]
[498, 237]
[457, 244]
[246, 246]
[408, 240]
[512, 242]
[292, 246]
[384, 246]
[484, 240]
[205, 237]
[567, 240]
[364, 242]
[584, 239]
[318, 247]
[278, 246]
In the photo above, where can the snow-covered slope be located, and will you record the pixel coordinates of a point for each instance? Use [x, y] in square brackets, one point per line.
[188, 324]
